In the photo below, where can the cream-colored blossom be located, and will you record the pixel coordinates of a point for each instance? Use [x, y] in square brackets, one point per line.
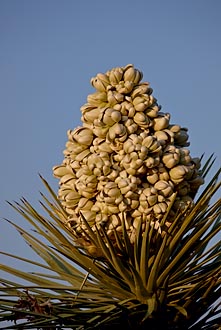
[127, 161]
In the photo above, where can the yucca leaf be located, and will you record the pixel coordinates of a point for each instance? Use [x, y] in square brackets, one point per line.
[140, 291]
[53, 195]
[183, 250]
[127, 244]
[54, 261]
[137, 246]
[118, 265]
[156, 267]
[119, 241]
[27, 277]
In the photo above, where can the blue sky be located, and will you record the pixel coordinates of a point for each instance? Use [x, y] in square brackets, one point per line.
[50, 49]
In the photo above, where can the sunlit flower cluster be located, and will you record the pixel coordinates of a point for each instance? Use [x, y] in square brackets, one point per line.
[126, 161]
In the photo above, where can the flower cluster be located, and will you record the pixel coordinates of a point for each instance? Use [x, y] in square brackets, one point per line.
[127, 161]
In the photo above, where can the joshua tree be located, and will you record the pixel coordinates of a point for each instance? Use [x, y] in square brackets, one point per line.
[129, 238]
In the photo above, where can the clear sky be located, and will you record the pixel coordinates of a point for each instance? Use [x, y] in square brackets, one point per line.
[50, 49]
